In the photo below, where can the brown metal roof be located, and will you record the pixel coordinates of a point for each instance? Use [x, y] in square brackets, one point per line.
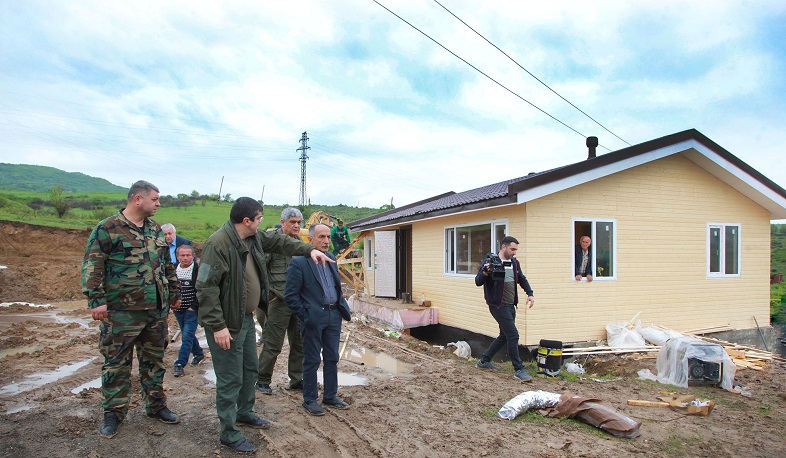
[505, 192]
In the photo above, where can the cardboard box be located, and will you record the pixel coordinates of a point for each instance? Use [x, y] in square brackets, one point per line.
[701, 410]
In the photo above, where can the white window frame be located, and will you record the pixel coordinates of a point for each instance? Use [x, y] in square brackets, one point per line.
[722, 267]
[451, 242]
[593, 222]
[369, 253]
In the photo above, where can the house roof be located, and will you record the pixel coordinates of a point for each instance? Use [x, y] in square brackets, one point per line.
[690, 143]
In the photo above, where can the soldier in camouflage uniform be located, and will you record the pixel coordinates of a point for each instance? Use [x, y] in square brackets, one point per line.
[280, 320]
[130, 282]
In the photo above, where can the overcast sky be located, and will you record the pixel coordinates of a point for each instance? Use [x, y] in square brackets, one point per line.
[183, 93]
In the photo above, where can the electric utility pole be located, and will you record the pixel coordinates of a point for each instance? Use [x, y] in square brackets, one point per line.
[303, 159]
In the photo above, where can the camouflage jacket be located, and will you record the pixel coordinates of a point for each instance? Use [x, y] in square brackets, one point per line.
[126, 269]
[221, 288]
[277, 273]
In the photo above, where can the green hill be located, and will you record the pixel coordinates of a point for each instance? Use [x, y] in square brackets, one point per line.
[38, 178]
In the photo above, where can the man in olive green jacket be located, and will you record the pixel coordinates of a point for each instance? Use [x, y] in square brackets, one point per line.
[231, 284]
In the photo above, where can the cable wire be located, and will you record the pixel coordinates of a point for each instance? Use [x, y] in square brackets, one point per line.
[483, 73]
[530, 73]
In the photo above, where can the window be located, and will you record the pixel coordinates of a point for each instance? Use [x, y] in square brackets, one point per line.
[467, 246]
[603, 248]
[723, 250]
[369, 252]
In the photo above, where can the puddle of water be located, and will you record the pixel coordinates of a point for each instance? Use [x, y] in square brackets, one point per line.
[345, 379]
[18, 350]
[7, 320]
[21, 408]
[40, 379]
[210, 374]
[86, 386]
[380, 360]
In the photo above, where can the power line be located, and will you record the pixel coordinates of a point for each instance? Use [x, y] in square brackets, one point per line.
[529, 73]
[483, 73]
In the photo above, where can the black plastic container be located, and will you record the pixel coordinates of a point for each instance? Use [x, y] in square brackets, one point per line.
[549, 358]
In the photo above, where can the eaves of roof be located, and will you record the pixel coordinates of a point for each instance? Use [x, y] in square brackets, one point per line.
[505, 192]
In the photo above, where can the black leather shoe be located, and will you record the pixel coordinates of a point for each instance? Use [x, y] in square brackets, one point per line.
[197, 360]
[297, 386]
[240, 445]
[264, 388]
[165, 415]
[335, 403]
[256, 422]
[313, 408]
[108, 428]
[179, 372]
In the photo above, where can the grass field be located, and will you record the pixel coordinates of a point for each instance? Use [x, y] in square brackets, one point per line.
[195, 221]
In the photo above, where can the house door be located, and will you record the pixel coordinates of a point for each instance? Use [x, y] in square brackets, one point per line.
[385, 263]
[405, 261]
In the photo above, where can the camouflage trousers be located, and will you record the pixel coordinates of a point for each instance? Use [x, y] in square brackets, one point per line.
[120, 333]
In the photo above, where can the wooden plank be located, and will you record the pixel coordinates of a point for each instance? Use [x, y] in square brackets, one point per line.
[642, 403]
[606, 347]
[735, 353]
[610, 352]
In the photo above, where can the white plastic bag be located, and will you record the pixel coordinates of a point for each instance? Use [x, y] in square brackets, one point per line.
[657, 336]
[624, 334]
[462, 349]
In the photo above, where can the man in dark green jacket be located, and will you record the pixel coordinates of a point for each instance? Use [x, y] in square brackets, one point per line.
[232, 283]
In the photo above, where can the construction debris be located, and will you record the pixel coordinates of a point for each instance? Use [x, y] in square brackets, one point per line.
[744, 357]
[687, 404]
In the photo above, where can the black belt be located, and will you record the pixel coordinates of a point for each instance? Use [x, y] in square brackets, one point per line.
[330, 306]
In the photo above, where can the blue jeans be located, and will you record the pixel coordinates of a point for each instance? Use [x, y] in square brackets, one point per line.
[321, 332]
[189, 343]
[508, 335]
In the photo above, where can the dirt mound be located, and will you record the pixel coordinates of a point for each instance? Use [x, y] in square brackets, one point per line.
[26, 240]
[42, 263]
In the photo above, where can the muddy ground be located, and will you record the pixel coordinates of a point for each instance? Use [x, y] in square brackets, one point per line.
[437, 406]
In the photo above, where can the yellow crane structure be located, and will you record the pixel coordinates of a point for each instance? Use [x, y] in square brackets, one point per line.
[351, 262]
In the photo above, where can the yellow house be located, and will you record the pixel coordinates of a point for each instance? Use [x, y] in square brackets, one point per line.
[680, 232]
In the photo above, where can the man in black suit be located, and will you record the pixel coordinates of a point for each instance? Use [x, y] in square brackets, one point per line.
[173, 240]
[583, 259]
[313, 293]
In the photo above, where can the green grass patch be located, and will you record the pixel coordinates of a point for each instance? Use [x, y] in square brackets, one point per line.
[195, 219]
[677, 445]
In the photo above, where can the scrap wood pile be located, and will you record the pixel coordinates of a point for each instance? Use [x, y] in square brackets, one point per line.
[744, 357]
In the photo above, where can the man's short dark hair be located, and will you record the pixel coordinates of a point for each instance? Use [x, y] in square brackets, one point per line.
[244, 207]
[185, 247]
[141, 187]
[508, 240]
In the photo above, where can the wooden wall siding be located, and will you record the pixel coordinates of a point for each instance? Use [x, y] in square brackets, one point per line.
[460, 302]
[662, 210]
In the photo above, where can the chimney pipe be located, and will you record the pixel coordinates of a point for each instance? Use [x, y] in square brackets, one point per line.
[592, 143]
